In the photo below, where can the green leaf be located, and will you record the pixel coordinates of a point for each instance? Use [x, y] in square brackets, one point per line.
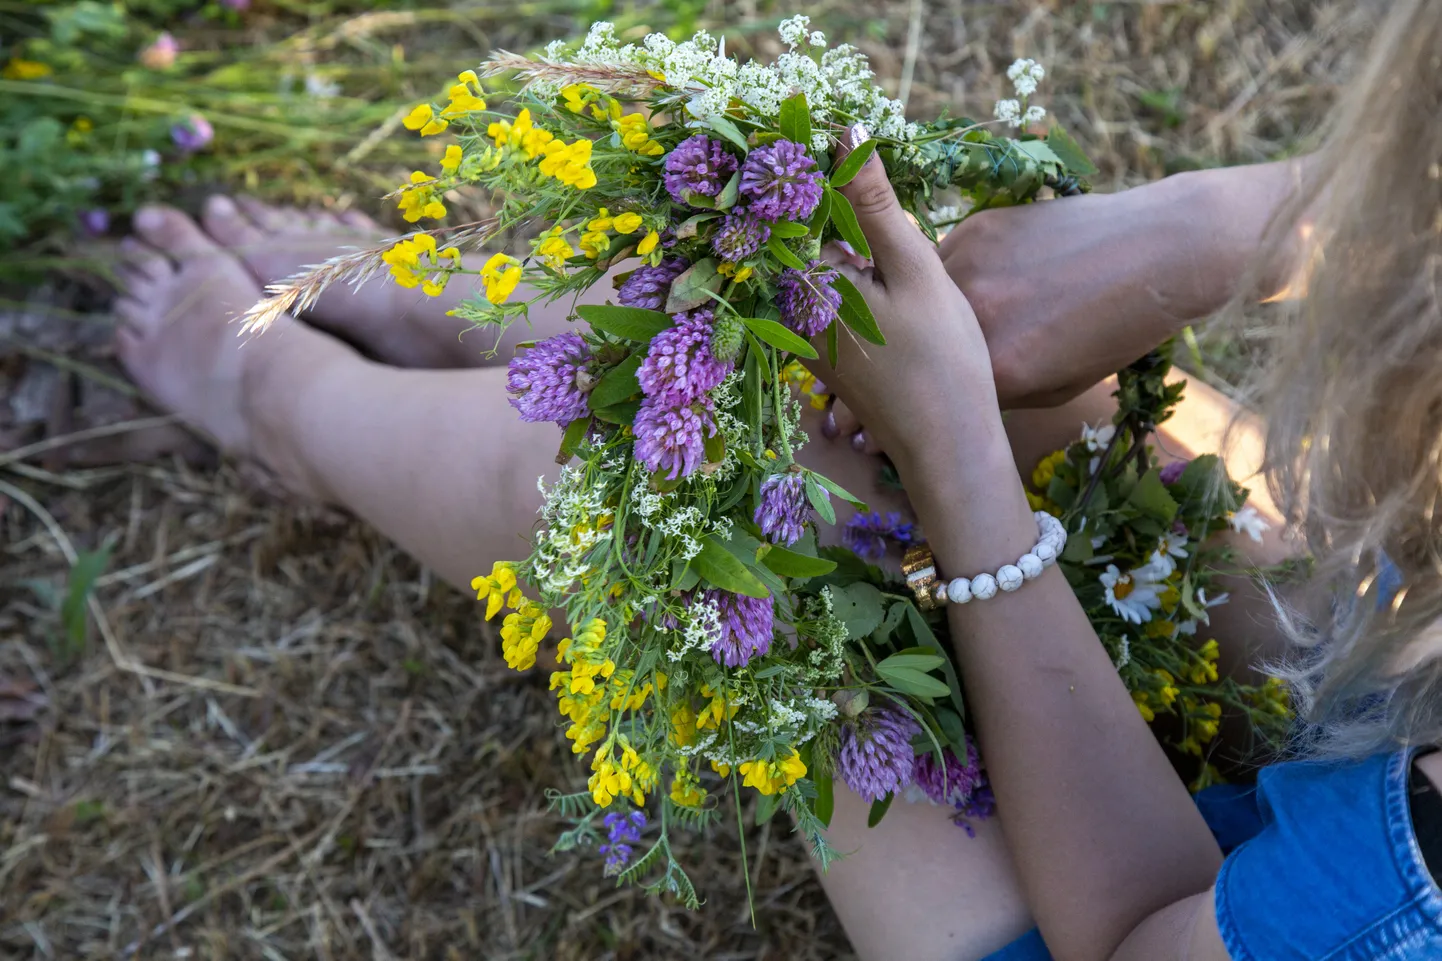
[781, 252]
[825, 804]
[819, 500]
[1078, 549]
[847, 170]
[720, 568]
[1151, 498]
[623, 414]
[779, 337]
[858, 606]
[855, 313]
[694, 287]
[788, 229]
[952, 727]
[632, 323]
[1039, 151]
[74, 610]
[914, 683]
[831, 345]
[822, 216]
[795, 120]
[791, 564]
[839, 491]
[751, 389]
[915, 662]
[922, 632]
[766, 807]
[683, 576]
[690, 225]
[571, 439]
[1071, 154]
[715, 447]
[723, 126]
[618, 384]
[843, 215]
[878, 811]
[726, 199]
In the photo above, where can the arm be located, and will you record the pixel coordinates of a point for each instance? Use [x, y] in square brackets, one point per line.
[1068, 292]
[1109, 848]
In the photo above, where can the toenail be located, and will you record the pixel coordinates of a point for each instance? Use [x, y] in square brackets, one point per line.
[150, 219]
[221, 206]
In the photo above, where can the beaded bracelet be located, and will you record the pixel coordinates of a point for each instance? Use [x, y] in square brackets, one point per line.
[919, 568]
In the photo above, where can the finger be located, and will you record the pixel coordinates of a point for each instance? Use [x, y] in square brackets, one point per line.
[846, 421]
[863, 442]
[897, 246]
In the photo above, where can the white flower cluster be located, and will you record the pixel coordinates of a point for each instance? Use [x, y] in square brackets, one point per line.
[828, 658]
[571, 512]
[700, 630]
[839, 88]
[795, 720]
[1019, 112]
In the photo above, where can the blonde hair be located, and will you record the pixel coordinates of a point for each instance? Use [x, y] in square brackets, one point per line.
[1352, 390]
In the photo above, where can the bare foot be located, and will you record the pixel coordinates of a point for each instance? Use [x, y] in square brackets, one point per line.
[395, 326]
[178, 342]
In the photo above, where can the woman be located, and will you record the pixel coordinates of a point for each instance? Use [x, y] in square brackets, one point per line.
[1112, 859]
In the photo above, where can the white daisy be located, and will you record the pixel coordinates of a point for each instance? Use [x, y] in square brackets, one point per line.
[1248, 521]
[1097, 440]
[1132, 595]
[1169, 549]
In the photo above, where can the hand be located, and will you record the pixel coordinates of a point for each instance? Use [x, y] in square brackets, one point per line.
[931, 385]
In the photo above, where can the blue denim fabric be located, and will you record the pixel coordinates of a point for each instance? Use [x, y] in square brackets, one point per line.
[1323, 865]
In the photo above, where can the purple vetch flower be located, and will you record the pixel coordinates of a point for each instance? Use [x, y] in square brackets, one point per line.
[808, 301]
[673, 439]
[868, 533]
[622, 831]
[784, 509]
[1173, 471]
[980, 806]
[780, 182]
[740, 235]
[192, 134]
[875, 758]
[700, 165]
[746, 626]
[95, 222]
[648, 287]
[680, 367]
[542, 380]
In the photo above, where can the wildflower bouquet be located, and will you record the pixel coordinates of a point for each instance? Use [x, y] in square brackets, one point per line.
[713, 643]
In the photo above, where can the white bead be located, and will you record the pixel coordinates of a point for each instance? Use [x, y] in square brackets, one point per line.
[1044, 552]
[959, 590]
[1009, 578]
[1031, 566]
[983, 587]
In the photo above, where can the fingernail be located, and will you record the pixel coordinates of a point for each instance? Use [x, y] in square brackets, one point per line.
[149, 219]
[846, 247]
[858, 440]
[829, 430]
[859, 134]
[220, 205]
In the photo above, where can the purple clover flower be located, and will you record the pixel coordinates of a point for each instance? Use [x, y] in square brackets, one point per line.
[648, 287]
[542, 380]
[746, 626]
[740, 235]
[673, 439]
[622, 831]
[780, 182]
[700, 165]
[808, 301]
[1172, 473]
[875, 758]
[952, 782]
[868, 533]
[680, 367]
[784, 509]
[192, 134]
[95, 222]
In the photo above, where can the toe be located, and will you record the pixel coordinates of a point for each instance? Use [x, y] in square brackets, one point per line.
[224, 221]
[130, 336]
[174, 233]
[358, 221]
[139, 259]
[267, 218]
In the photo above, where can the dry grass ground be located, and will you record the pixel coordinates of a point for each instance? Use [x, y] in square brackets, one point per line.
[286, 740]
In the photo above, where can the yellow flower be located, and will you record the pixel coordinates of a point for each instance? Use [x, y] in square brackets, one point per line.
[451, 162]
[500, 132]
[569, 163]
[522, 633]
[420, 201]
[686, 790]
[577, 95]
[609, 782]
[423, 118]
[1046, 469]
[535, 140]
[594, 243]
[601, 222]
[635, 135]
[553, 249]
[18, 69]
[1143, 703]
[463, 100]
[772, 777]
[713, 713]
[415, 262]
[501, 274]
[739, 274]
[495, 587]
[628, 223]
[648, 243]
[1168, 694]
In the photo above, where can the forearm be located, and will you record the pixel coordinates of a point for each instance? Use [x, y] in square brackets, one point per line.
[1102, 830]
